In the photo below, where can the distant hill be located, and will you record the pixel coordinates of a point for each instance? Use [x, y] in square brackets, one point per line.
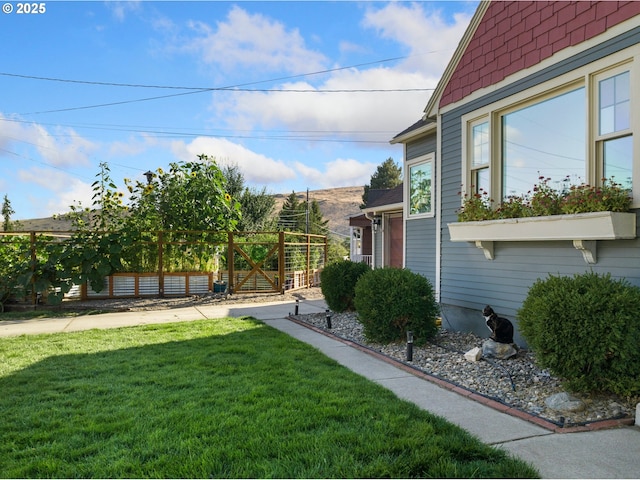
[336, 205]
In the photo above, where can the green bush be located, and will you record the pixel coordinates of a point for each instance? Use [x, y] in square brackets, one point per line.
[585, 329]
[338, 282]
[392, 301]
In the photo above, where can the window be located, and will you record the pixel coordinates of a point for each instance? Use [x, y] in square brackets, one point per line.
[615, 145]
[419, 186]
[574, 129]
[546, 139]
[480, 159]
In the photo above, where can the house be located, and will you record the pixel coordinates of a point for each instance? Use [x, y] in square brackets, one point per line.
[534, 89]
[377, 235]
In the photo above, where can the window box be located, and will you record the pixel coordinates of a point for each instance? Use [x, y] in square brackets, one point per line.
[584, 229]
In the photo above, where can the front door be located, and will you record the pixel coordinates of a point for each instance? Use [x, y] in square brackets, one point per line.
[395, 237]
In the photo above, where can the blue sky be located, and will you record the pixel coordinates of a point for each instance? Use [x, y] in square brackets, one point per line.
[296, 94]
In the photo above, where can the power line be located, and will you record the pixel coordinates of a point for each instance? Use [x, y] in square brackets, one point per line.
[198, 89]
[290, 136]
[193, 90]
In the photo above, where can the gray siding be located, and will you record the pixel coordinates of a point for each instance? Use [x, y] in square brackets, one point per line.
[420, 234]
[421, 147]
[469, 281]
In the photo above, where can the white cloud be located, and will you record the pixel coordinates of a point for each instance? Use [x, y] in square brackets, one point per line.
[256, 168]
[425, 32]
[62, 147]
[120, 9]
[253, 41]
[338, 173]
[60, 191]
[430, 41]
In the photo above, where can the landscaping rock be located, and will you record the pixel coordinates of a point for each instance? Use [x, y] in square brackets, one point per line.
[493, 349]
[474, 354]
[564, 402]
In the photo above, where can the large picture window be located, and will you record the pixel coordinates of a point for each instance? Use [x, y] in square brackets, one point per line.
[577, 129]
[546, 139]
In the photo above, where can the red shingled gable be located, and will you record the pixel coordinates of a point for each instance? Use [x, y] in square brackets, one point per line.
[516, 35]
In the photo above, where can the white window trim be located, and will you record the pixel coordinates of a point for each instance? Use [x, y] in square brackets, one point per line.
[587, 76]
[423, 159]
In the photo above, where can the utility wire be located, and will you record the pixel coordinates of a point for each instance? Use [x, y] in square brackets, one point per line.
[198, 89]
[193, 90]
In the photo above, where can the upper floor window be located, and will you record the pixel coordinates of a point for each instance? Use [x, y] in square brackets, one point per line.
[419, 192]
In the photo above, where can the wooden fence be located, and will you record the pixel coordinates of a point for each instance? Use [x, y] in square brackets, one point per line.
[194, 263]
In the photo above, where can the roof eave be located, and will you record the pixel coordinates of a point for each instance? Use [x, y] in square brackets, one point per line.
[413, 134]
[384, 208]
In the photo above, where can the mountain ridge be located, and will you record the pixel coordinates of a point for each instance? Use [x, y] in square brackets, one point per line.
[336, 205]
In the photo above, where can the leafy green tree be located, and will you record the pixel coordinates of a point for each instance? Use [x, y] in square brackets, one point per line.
[7, 212]
[257, 206]
[387, 175]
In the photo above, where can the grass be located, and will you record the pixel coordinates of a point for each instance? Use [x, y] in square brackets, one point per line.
[214, 398]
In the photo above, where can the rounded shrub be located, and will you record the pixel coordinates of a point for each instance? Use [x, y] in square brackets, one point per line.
[338, 282]
[392, 301]
[585, 329]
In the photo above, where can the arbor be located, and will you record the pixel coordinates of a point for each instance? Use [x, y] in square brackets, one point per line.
[387, 175]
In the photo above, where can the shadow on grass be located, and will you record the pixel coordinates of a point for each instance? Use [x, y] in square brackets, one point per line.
[221, 398]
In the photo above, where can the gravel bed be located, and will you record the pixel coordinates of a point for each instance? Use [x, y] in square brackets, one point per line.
[517, 381]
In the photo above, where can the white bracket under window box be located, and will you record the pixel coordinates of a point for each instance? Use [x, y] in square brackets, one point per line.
[583, 229]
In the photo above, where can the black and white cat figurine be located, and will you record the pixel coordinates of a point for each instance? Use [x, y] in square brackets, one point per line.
[501, 328]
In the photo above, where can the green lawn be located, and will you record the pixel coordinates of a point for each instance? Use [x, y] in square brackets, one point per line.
[230, 398]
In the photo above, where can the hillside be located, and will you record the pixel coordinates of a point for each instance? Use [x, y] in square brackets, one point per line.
[336, 204]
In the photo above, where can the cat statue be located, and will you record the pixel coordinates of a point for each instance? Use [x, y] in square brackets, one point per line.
[501, 328]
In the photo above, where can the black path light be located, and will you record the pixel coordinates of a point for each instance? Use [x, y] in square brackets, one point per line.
[328, 312]
[409, 346]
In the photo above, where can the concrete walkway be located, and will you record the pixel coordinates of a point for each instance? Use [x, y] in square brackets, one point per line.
[613, 453]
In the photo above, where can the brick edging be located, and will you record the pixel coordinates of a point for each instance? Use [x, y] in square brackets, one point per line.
[489, 402]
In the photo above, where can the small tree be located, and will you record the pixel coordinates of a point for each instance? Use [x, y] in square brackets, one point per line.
[292, 216]
[387, 175]
[7, 212]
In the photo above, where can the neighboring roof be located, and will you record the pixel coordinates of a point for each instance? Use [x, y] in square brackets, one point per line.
[421, 127]
[359, 221]
[389, 198]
